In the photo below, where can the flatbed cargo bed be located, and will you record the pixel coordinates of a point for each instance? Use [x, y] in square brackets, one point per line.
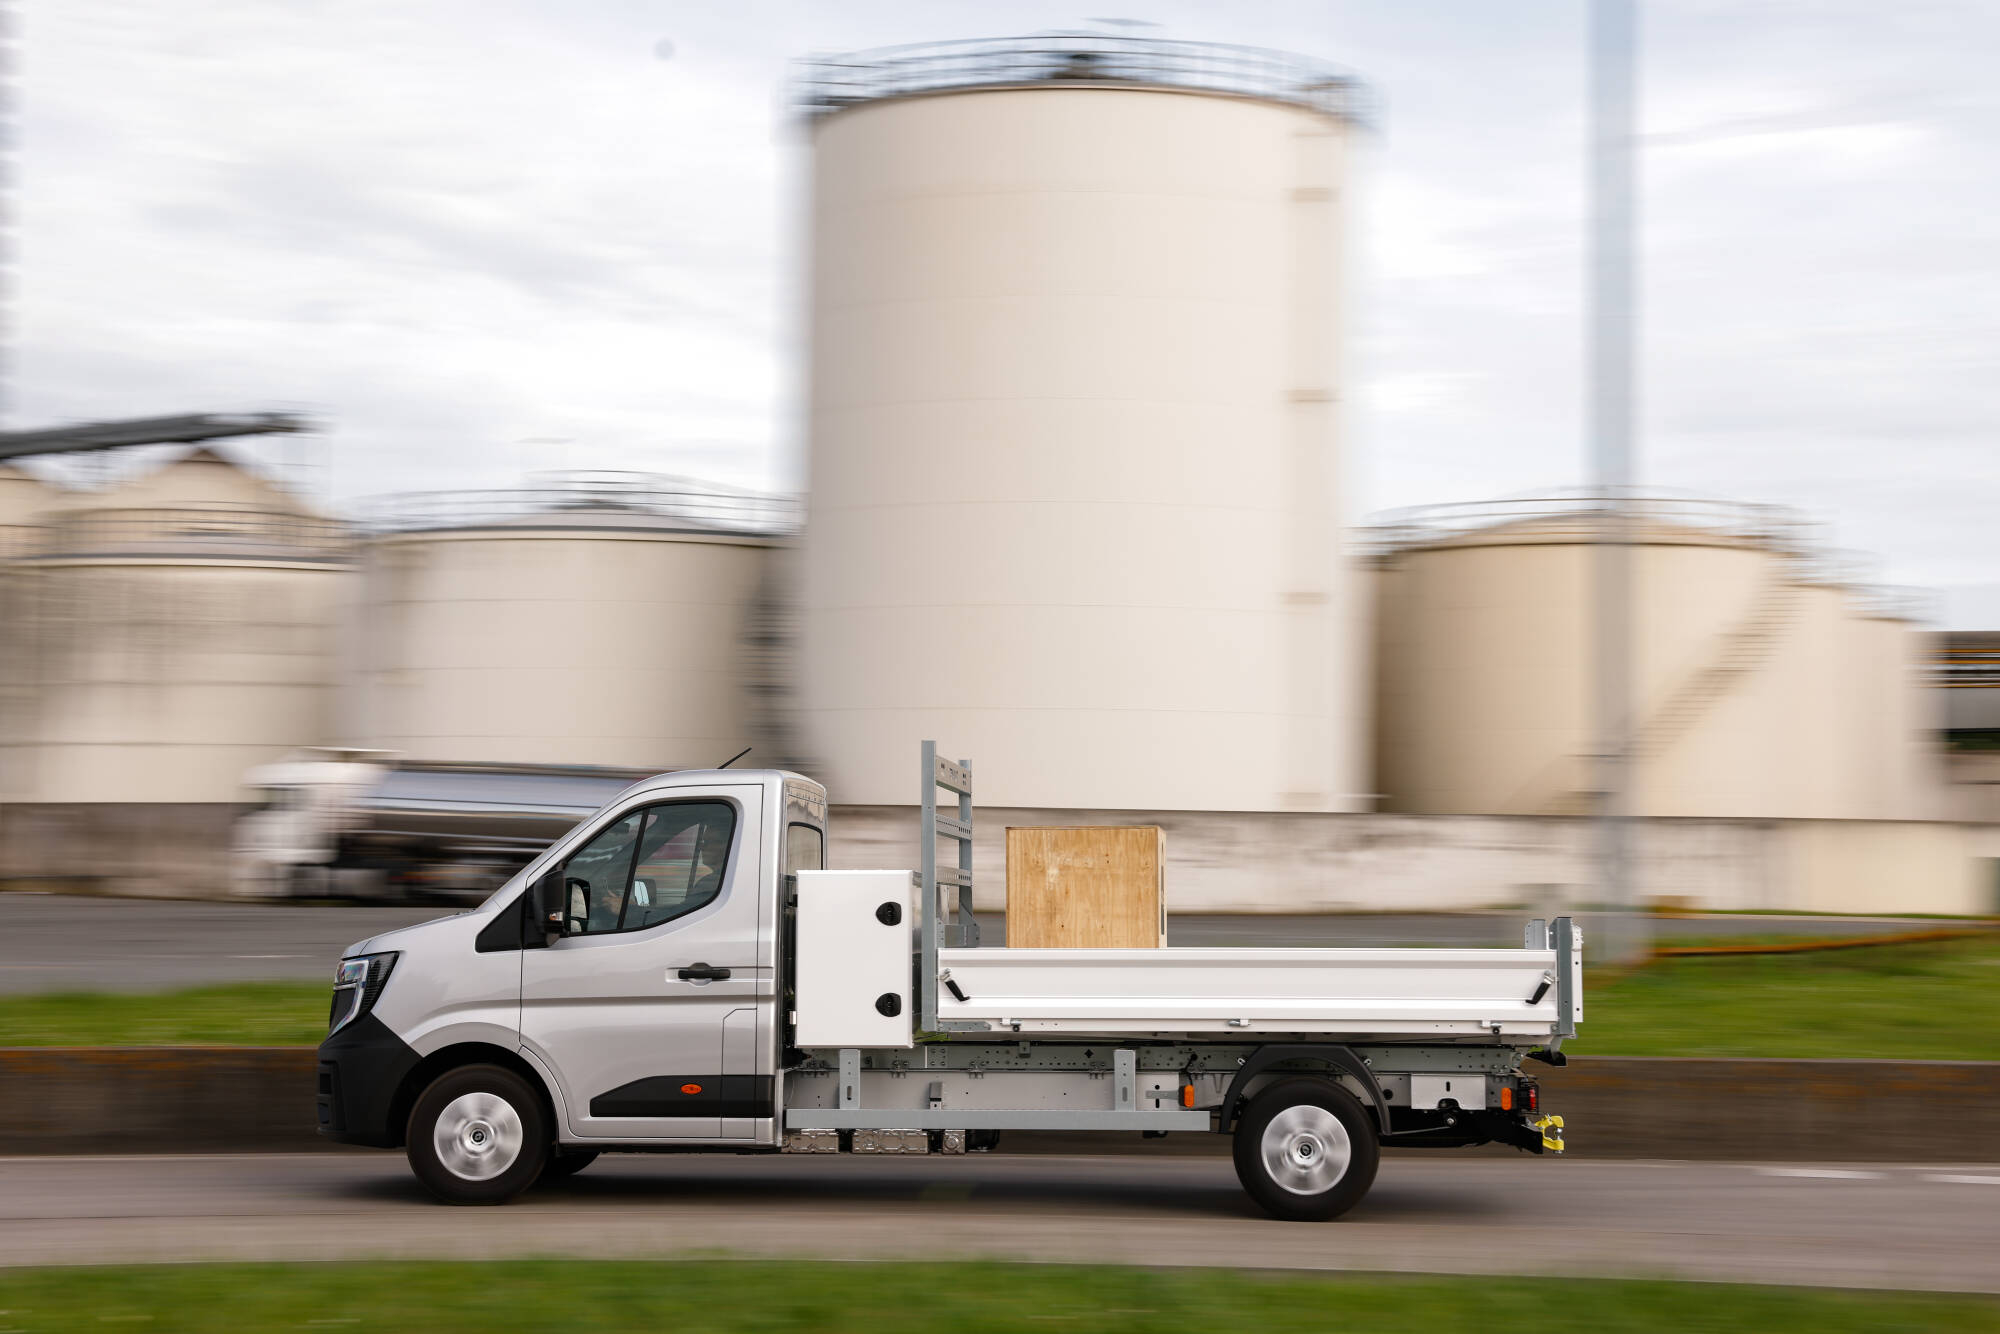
[1424, 995]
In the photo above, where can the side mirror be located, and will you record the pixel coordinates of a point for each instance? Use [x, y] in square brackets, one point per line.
[545, 909]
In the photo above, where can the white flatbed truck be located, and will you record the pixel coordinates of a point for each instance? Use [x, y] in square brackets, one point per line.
[680, 974]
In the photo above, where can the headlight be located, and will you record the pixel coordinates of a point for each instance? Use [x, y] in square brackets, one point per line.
[357, 985]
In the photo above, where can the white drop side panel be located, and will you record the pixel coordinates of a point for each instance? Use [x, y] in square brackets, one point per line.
[1360, 993]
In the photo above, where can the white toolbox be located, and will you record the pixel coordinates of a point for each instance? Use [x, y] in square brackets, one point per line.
[854, 960]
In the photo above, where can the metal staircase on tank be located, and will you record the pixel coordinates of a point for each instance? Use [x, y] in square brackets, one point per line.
[1745, 647]
[1741, 650]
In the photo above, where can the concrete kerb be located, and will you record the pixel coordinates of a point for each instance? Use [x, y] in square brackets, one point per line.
[97, 1100]
[157, 1099]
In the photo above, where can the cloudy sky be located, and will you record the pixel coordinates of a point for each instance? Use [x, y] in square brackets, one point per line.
[482, 237]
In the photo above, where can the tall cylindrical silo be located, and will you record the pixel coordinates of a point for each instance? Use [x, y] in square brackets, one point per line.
[1075, 378]
[584, 619]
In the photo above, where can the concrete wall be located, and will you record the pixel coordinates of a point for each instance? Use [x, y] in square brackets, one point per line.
[1074, 485]
[1863, 866]
[1233, 862]
[150, 849]
[1225, 862]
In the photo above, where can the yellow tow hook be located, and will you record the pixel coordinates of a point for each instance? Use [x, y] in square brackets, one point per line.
[1552, 1132]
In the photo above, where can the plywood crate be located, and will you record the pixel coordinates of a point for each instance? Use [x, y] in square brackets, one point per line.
[1086, 887]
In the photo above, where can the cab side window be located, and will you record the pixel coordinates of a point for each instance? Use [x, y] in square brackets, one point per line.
[682, 856]
[805, 849]
[595, 879]
[650, 867]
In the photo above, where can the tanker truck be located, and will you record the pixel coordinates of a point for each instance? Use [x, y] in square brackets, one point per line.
[368, 824]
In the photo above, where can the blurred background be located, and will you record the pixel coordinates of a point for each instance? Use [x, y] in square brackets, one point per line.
[1189, 429]
[1443, 464]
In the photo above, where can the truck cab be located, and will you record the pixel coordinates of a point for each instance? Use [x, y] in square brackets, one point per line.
[630, 972]
[680, 972]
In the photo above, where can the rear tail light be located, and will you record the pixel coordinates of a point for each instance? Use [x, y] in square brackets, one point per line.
[1534, 1095]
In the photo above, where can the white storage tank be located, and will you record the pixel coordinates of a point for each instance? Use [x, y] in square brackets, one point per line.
[171, 649]
[198, 477]
[1074, 502]
[23, 497]
[581, 619]
[1767, 681]
[23, 500]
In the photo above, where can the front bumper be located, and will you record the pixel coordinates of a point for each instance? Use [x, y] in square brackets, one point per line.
[362, 1070]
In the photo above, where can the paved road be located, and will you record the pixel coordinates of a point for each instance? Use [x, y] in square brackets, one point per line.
[1929, 1228]
[60, 942]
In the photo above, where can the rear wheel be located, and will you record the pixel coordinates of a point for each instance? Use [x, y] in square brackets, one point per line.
[1305, 1150]
[478, 1135]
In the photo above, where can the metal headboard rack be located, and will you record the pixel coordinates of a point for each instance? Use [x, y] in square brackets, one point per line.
[944, 924]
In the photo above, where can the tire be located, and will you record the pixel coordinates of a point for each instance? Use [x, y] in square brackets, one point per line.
[1305, 1150]
[567, 1163]
[478, 1135]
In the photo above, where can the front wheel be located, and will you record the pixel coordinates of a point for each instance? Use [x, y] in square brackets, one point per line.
[1305, 1150]
[478, 1135]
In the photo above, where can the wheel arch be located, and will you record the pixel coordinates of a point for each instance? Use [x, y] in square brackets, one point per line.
[1327, 1055]
[459, 1054]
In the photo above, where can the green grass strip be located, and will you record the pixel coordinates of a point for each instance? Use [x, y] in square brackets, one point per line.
[724, 1296]
[236, 1014]
[1914, 1002]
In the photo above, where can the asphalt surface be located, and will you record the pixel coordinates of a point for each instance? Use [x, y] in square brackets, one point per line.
[1932, 1228]
[68, 943]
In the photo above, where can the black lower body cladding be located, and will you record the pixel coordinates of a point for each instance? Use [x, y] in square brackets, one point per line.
[361, 1068]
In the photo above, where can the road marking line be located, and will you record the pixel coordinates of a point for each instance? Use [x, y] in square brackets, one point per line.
[1962, 1180]
[1826, 1173]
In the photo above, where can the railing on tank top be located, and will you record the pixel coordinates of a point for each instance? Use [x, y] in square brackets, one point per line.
[826, 83]
[589, 499]
[1653, 515]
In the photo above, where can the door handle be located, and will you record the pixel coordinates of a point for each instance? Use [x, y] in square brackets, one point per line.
[701, 972]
